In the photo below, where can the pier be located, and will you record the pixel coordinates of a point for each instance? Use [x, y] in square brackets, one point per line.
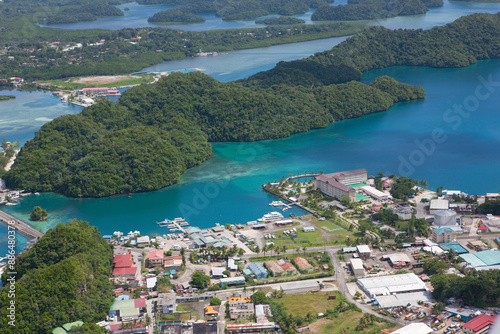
[23, 228]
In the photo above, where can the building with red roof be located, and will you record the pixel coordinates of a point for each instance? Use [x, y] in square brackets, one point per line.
[139, 303]
[155, 257]
[125, 272]
[303, 265]
[482, 227]
[123, 261]
[480, 324]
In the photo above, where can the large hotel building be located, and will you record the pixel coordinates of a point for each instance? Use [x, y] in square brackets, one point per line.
[337, 184]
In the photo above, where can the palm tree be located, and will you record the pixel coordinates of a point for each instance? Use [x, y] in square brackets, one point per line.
[265, 249]
[304, 249]
[257, 250]
[283, 248]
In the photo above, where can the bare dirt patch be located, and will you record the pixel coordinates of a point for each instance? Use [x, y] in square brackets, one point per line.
[102, 80]
[315, 327]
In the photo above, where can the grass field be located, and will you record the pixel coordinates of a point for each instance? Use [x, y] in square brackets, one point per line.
[330, 234]
[194, 307]
[347, 322]
[313, 303]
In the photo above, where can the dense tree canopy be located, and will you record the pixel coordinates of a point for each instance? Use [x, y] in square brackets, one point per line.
[155, 132]
[64, 277]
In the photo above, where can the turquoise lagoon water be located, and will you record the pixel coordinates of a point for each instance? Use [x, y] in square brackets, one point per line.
[226, 189]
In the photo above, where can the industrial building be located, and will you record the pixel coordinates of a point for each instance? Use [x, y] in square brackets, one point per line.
[303, 265]
[217, 272]
[258, 270]
[357, 267]
[445, 218]
[251, 327]
[416, 328]
[127, 309]
[443, 234]
[398, 260]
[281, 267]
[438, 204]
[455, 247]
[395, 290]
[232, 280]
[299, 287]
[485, 260]
[337, 184]
[364, 251]
[308, 229]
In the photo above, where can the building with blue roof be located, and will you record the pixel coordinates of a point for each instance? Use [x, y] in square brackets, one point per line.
[443, 234]
[258, 270]
[489, 259]
[454, 246]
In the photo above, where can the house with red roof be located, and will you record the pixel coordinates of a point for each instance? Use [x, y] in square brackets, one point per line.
[482, 227]
[155, 257]
[124, 266]
[480, 324]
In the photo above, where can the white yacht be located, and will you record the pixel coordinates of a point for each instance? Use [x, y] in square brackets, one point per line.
[271, 216]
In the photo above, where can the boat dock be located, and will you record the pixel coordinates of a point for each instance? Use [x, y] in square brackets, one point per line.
[174, 225]
[23, 228]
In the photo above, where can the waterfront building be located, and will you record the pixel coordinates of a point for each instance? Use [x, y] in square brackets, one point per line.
[124, 266]
[438, 204]
[336, 185]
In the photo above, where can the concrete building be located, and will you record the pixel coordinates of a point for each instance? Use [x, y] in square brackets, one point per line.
[124, 267]
[398, 260]
[480, 324]
[143, 241]
[357, 267]
[231, 264]
[155, 257]
[268, 327]
[172, 263]
[166, 302]
[240, 307]
[336, 185]
[303, 265]
[364, 251]
[375, 193]
[444, 234]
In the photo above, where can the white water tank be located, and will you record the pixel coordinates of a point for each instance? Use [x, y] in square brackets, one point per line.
[445, 218]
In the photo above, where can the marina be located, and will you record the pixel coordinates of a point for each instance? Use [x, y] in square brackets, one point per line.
[175, 225]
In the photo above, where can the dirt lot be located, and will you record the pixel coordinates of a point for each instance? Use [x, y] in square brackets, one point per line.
[102, 80]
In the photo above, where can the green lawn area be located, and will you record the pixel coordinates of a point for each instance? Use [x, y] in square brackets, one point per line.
[193, 307]
[331, 234]
[347, 322]
[402, 225]
[310, 303]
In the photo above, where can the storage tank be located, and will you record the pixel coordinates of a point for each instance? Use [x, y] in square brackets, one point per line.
[445, 218]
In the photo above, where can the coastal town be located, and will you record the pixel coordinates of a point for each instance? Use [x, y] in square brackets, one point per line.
[362, 257]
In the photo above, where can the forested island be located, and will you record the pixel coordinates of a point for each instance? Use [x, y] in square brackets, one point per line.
[282, 20]
[241, 9]
[155, 132]
[175, 16]
[63, 278]
[7, 97]
[373, 9]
